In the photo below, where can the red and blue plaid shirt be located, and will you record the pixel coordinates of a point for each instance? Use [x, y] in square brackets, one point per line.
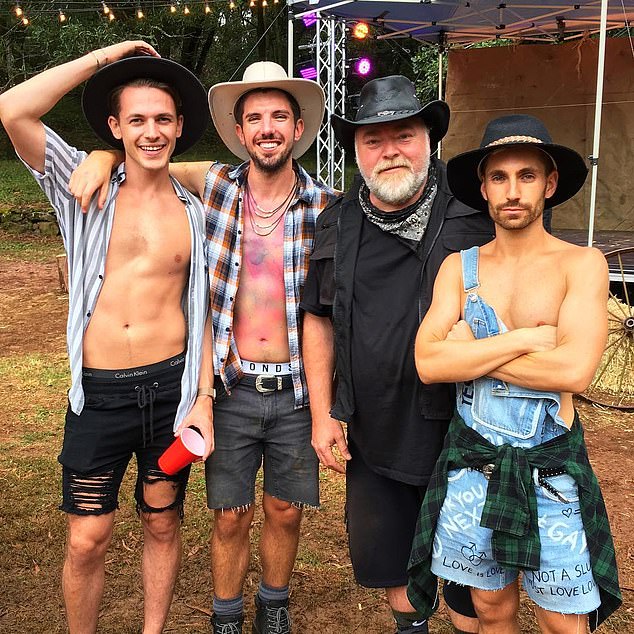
[224, 191]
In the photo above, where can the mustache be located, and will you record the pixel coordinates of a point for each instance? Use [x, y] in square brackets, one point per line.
[386, 165]
[513, 203]
[270, 136]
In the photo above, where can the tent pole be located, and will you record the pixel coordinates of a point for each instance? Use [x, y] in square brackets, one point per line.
[290, 43]
[594, 159]
[440, 49]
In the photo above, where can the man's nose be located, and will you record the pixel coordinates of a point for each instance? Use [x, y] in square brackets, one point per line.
[513, 189]
[151, 129]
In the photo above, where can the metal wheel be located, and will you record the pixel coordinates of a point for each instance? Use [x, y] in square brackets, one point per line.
[613, 383]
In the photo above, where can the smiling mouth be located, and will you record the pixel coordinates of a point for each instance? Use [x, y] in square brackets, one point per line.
[269, 145]
[151, 149]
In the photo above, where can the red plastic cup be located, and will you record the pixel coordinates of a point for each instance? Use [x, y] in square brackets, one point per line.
[189, 446]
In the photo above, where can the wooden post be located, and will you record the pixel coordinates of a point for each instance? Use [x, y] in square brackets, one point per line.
[62, 272]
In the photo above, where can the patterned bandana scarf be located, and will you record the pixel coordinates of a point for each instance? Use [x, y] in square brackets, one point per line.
[410, 223]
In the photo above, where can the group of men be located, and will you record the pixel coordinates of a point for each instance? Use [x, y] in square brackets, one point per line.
[227, 314]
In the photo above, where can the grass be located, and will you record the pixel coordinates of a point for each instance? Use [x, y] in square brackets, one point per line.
[17, 187]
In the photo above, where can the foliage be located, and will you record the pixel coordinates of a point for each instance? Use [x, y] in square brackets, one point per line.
[213, 45]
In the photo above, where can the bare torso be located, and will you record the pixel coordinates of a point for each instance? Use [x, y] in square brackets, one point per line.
[138, 318]
[260, 327]
[528, 291]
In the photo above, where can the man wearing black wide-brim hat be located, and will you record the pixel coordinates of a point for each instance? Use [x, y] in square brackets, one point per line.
[138, 298]
[377, 251]
[520, 324]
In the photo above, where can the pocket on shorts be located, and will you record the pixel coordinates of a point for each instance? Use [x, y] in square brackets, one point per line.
[497, 407]
[565, 485]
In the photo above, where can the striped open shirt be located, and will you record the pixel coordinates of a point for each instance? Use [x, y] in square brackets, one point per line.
[86, 237]
[224, 189]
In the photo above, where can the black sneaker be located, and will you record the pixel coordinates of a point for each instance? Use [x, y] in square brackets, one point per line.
[271, 617]
[417, 628]
[228, 624]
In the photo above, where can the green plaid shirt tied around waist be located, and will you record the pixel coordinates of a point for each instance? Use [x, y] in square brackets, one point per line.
[510, 509]
[223, 198]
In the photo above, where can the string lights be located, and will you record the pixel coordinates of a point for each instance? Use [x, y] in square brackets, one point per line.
[184, 7]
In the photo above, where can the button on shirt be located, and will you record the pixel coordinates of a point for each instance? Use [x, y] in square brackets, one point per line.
[224, 189]
[86, 238]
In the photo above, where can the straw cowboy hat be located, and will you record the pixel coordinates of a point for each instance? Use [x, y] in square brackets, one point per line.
[388, 99]
[96, 106]
[224, 96]
[516, 130]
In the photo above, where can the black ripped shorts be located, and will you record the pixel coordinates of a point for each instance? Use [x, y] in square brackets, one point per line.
[125, 412]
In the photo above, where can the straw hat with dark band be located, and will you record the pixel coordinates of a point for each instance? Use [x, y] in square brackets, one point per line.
[95, 98]
[224, 96]
[516, 130]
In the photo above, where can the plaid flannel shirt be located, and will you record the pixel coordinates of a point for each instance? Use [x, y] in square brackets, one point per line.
[511, 510]
[224, 190]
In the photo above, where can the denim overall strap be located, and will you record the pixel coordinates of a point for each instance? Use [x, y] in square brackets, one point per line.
[469, 258]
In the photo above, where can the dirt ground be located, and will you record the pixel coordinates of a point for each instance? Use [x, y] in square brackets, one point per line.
[325, 598]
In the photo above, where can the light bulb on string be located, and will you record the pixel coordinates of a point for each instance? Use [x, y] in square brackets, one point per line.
[172, 8]
[62, 17]
[252, 3]
[232, 5]
[265, 3]
[111, 16]
[18, 10]
[106, 10]
[25, 20]
[207, 8]
[186, 10]
[139, 13]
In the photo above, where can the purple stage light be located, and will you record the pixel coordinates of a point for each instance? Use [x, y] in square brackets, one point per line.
[309, 20]
[363, 66]
[308, 72]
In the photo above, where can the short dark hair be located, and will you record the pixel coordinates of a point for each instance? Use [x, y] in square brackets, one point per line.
[114, 98]
[238, 109]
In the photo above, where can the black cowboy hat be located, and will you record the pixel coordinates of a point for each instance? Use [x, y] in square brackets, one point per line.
[95, 99]
[389, 99]
[463, 171]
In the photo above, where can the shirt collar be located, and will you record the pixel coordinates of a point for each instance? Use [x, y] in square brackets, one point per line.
[118, 177]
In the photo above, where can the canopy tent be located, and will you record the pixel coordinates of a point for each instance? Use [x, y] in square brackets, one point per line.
[446, 22]
[466, 21]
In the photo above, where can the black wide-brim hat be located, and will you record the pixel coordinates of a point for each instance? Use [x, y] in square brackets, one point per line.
[516, 130]
[388, 99]
[95, 98]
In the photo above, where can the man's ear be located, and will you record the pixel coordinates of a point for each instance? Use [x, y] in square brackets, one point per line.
[240, 134]
[179, 126]
[299, 129]
[113, 123]
[483, 191]
[551, 183]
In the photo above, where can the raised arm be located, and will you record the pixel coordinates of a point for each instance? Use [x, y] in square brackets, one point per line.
[22, 107]
[94, 174]
[191, 175]
[444, 358]
[582, 330]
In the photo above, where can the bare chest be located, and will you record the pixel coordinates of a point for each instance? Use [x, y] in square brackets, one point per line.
[523, 297]
[154, 237]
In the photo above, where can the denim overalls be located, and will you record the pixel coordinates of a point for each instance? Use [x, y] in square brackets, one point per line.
[505, 413]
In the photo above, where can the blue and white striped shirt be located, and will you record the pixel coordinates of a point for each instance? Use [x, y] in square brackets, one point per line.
[86, 238]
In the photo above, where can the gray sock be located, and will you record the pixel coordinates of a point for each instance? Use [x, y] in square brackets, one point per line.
[268, 594]
[228, 607]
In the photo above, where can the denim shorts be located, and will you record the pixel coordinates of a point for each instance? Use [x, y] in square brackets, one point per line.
[250, 428]
[462, 548]
[126, 412]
